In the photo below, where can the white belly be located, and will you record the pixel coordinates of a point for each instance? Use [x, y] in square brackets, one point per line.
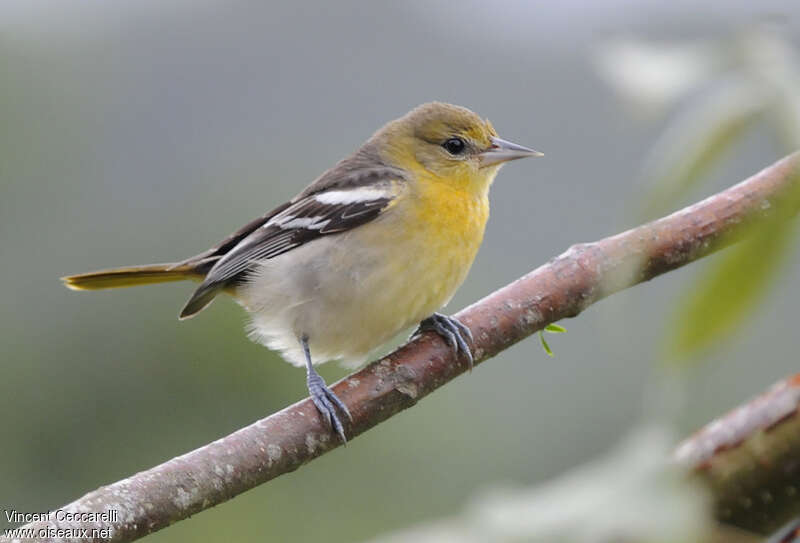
[347, 296]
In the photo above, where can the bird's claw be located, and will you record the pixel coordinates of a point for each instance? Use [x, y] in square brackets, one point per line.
[327, 402]
[454, 332]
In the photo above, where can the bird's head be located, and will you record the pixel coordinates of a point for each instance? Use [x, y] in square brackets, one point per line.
[448, 143]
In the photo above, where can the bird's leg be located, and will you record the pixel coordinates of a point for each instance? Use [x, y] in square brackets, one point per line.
[457, 335]
[322, 396]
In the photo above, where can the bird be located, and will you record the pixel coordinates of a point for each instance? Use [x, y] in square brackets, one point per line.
[376, 244]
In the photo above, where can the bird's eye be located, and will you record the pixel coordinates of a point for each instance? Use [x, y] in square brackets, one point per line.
[454, 146]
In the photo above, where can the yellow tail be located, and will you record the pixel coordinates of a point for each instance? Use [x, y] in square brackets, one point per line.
[132, 276]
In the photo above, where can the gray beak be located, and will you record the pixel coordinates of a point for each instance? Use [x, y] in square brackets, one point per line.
[503, 151]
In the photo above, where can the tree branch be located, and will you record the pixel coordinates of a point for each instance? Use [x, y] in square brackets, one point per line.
[565, 286]
[750, 459]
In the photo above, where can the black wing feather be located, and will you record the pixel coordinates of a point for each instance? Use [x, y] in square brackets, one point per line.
[267, 237]
[206, 260]
[291, 227]
[274, 238]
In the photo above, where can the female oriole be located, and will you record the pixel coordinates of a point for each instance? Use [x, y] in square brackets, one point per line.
[379, 242]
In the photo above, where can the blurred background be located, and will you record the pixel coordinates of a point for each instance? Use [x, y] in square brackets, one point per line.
[145, 131]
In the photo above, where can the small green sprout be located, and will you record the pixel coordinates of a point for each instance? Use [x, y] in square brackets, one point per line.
[552, 328]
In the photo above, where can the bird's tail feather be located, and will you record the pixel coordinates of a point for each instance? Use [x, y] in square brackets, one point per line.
[203, 296]
[133, 276]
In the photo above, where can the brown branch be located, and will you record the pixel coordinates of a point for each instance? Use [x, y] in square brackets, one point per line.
[565, 286]
[750, 459]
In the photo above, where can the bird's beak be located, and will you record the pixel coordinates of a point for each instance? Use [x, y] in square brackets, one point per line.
[503, 151]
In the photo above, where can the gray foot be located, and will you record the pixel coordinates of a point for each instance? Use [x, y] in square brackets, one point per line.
[453, 331]
[327, 402]
[323, 397]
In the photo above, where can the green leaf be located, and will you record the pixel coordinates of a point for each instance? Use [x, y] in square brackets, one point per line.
[545, 346]
[554, 328]
[730, 288]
